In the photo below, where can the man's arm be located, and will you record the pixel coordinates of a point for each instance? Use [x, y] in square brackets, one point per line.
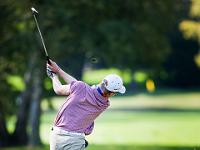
[55, 68]
[89, 129]
[66, 77]
[59, 88]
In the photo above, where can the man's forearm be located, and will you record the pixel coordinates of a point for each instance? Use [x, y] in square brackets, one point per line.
[58, 88]
[66, 77]
[56, 84]
[55, 68]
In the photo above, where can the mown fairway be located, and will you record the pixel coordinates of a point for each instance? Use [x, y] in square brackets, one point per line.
[167, 121]
[154, 120]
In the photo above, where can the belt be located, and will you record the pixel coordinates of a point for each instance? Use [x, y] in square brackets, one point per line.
[66, 132]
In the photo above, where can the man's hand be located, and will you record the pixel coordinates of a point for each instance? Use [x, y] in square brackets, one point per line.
[57, 70]
[53, 67]
[50, 73]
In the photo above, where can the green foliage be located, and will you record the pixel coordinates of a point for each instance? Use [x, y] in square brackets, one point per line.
[195, 9]
[181, 68]
[16, 82]
[96, 76]
[12, 62]
[140, 77]
[190, 27]
[7, 100]
[110, 30]
[48, 84]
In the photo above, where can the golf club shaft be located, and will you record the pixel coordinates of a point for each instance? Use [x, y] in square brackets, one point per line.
[47, 56]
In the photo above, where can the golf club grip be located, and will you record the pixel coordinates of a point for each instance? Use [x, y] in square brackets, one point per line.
[48, 60]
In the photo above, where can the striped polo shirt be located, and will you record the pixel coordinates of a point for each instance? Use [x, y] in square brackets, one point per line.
[81, 108]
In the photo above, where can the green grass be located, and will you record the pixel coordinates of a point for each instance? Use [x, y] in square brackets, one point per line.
[115, 147]
[171, 120]
[148, 129]
[141, 122]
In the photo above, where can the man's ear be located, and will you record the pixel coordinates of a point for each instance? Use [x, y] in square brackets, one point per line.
[105, 82]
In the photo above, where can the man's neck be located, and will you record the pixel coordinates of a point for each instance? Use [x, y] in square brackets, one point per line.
[100, 91]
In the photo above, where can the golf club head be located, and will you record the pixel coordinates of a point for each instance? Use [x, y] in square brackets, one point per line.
[34, 11]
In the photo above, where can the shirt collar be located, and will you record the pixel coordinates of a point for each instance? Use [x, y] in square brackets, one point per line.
[99, 90]
[99, 96]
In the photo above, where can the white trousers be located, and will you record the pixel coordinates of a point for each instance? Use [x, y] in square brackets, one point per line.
[64, 140]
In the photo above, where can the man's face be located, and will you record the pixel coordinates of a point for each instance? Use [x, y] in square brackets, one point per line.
[109, 93]
[112, 94]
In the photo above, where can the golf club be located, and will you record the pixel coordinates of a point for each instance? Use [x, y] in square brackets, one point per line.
[34, 12]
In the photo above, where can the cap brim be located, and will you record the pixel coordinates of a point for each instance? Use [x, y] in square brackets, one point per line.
[122, 90]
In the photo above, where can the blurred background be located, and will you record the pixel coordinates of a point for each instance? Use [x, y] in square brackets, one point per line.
[152, 44]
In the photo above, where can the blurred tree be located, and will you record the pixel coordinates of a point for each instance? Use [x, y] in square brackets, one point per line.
[110, 31]
[17, 58]
[8, 66]
[139, 39]
[191, 27]
[179, 70]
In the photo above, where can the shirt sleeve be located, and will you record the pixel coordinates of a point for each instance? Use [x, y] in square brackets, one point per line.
[89, 129]
[76, 86]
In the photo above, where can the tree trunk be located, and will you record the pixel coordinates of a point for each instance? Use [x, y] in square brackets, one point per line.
[4, 138]
[20, 136]
[35, 111]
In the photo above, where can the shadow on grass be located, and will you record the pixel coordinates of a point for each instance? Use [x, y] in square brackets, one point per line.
[155, 109]
[160, 92]
[115, 147]
[138, 147]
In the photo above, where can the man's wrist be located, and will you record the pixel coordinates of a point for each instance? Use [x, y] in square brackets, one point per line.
[54, 76]
[56, 69]
[59, 71]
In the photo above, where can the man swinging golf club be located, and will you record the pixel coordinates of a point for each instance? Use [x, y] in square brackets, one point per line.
[83, 105]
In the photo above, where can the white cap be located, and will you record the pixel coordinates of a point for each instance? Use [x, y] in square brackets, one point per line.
[114, 83]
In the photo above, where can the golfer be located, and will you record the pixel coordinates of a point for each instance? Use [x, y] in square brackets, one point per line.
[83, 105]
